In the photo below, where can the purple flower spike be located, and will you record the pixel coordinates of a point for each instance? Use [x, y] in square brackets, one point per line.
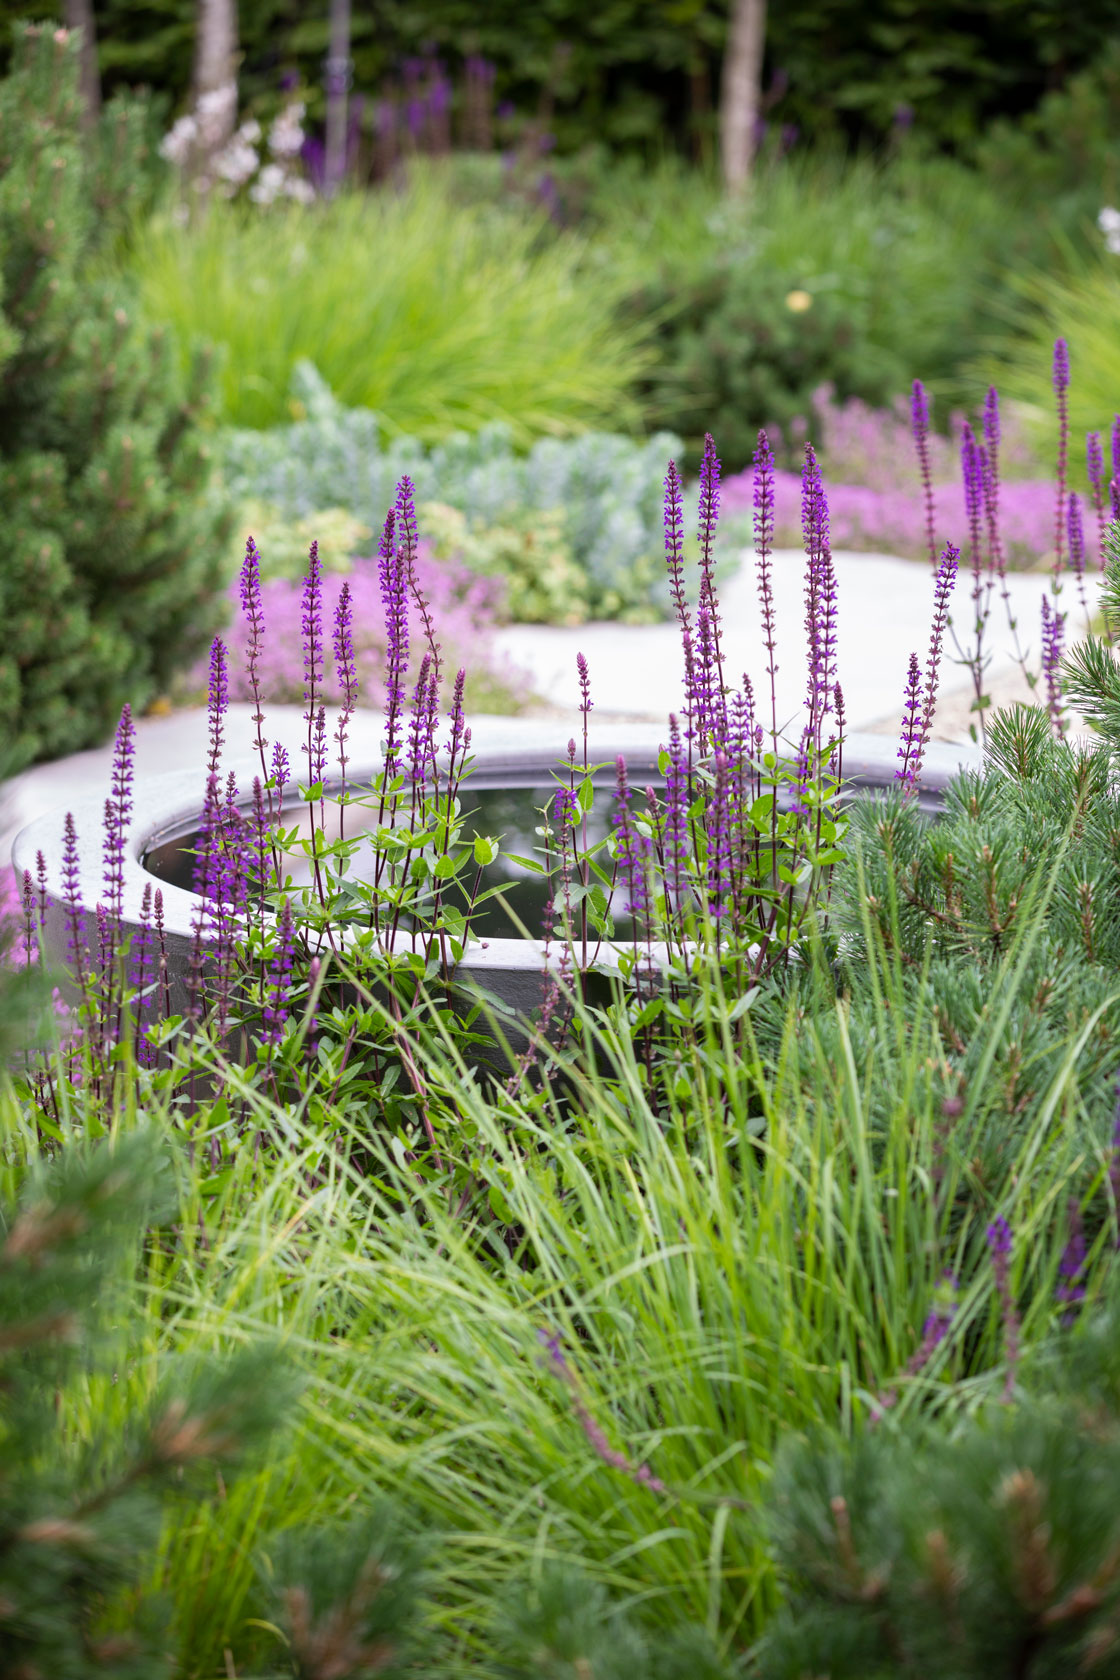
[118, 810]
[281, 771]
[676, 813]
[585, 701]
[764, 548]
[674, 542]
[252, 610]
[709, 519]
[972, 471]
[217, 703]
[1076, 534]
[279, 979]
[311, 625]
[1061, 392]
[942, 591]
[999, 1245]
[1053, 637]
[911, 724]
[919, 420]
[1094, 464]
[633, 847]
[344, 665]
[565, 808]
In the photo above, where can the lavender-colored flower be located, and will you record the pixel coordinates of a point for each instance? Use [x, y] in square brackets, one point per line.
[990, 465]
[408, 543]
[252, 611]
[1053, 638]
[455, 718]
[118, 810]
[311, 625]
[565, 808]
[280, 772]
[972, 472]
[217, 703]
[1094, 466]
[799, 806]
[820, 589]
[1061, 392]
[593, 1432]
[764, 548]
[911, 725]
[633, 847]
[702, 689]
[938, 1323]
[1077, 548]
[709, 519]
[942, 590]
[674, 542]
[278, 979]
[141, 977]
[585, 700]
[1114, 1160]
[919, 420]
[72, 903]
[418, 752]
[394, 599]
[999, 1245]
[344, 665]
[677, 803]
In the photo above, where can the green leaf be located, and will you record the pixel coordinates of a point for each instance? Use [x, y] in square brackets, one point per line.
[486, 849]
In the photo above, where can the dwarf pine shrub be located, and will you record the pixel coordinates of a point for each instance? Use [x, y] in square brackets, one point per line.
[112, 555]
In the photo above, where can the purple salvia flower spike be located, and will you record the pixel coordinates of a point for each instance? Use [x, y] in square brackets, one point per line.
[345, 669]
[1076, 530]
[311, 626]
[919, 420]
[942, 590]
[718, 823]
[764, 549]
[1061, 392]
[1094, 466]
[911, 725]
[709, 519]
[999, 1245]
[217, 704]
[277, 997]
[252, 611]
[408, 542]
[1053, 638]
[394, 600]
[118, 811]
[674, 542]
[632, 848]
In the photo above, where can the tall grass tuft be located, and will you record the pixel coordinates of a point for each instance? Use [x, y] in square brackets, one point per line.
[439, 316]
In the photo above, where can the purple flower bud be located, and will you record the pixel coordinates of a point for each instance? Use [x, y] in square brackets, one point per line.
[919, 420]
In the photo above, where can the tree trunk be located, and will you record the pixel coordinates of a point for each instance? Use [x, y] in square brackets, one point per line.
[338, 69]
[79, 15]
[741, 91]
[215, 71]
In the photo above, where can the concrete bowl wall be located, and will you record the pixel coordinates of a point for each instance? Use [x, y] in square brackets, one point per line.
[511, 752]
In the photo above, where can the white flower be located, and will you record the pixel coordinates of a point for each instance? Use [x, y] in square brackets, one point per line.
[215, 111]
[177, 142]
[285, 137]
[1109, 223]
[250, 131]
[268, 184]
[235, 163]
[302, 191]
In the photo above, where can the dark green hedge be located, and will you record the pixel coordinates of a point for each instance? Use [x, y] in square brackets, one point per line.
[640, 73]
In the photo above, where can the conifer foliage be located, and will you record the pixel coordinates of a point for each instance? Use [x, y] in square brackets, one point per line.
[111, 568]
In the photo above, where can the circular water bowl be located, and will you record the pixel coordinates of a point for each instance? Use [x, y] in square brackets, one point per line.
[510, 780]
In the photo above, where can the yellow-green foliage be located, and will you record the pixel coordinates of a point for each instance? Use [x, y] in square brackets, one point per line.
[543, 583]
